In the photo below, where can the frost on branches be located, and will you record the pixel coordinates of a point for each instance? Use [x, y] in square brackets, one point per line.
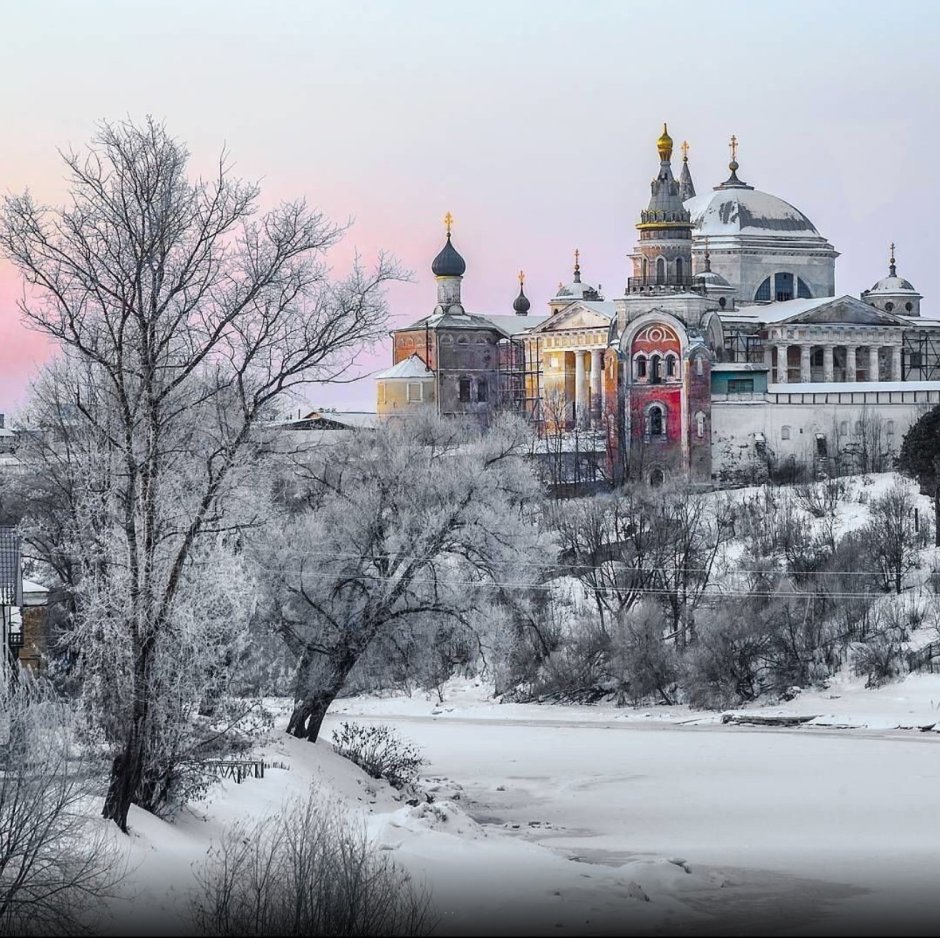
[420, 519]
[182, 312]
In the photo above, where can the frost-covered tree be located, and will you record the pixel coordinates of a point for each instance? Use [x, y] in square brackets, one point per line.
[417, 519]
[891, 536]
[920, 458]
[182, 312]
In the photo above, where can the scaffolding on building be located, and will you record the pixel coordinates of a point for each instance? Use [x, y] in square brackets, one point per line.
[920, 355]
[519, 377]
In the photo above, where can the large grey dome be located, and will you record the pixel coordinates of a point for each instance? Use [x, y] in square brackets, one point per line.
[731, 211]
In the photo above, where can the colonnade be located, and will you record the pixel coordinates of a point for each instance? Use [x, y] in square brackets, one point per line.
[588, 386]
[868, 356]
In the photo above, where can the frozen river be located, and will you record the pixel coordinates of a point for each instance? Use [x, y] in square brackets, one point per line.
[799, 830]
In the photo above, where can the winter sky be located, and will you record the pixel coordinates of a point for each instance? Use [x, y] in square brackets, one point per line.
[533, 122]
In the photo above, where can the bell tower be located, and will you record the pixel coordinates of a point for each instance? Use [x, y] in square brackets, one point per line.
[662, 259]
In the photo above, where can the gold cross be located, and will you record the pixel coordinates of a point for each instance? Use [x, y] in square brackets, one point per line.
[448, 220]
[521, 276]
[577, 254]
[685, 149]
[734, 148]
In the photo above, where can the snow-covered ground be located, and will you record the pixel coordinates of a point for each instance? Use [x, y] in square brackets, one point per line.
[556, 819]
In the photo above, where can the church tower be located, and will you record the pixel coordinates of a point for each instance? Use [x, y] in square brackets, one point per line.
[662, 260]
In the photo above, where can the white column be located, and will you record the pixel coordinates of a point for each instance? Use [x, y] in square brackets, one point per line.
[851, 368]
[579, 387]
[782, 364]
[828, 368]
[896, 363]
[769, 360]
[873, 363]
[805, 369]
[597, 382]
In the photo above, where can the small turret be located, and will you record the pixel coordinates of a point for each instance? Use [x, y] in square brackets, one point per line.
[894, 294]
[448, 267]
[686, 186]
[521, 303]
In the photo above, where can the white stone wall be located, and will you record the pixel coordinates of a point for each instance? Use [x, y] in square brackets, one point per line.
[735, 424]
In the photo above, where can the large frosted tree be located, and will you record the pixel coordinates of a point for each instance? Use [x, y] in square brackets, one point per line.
[182, 312]
[422, 518]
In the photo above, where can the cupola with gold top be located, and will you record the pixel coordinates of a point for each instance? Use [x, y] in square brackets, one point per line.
[448, 267]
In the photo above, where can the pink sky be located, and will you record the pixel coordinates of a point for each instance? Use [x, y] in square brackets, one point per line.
[534, 123]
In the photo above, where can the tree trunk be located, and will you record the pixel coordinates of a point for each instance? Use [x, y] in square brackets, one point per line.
[317, 688]
[126, 773]
[936, 515]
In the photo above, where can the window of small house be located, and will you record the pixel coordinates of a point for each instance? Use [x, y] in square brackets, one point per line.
[415, 392]
[784, 433]
[482, 390]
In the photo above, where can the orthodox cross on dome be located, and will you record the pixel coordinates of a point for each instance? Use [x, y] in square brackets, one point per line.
[448, 221]
[577, 266]
[733, 146]
[685, 150]
[521, 276]
[891, 265]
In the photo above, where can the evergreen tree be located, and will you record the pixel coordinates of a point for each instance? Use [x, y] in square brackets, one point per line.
[920, 459]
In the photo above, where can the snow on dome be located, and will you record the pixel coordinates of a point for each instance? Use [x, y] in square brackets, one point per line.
[892, 285]
[730, 211]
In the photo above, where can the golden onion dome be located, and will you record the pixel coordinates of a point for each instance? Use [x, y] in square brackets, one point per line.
[664, 145]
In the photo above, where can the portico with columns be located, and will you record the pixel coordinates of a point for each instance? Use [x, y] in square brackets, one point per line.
[569, 348]
[843, 341]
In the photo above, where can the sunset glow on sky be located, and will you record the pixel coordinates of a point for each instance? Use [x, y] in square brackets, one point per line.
[534, 123]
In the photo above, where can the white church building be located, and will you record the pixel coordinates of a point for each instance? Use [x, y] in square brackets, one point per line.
[728, 354]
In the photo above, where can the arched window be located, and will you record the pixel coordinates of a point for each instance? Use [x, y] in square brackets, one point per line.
[763, 292]
[889, 428]
[699, 365]
[784, 433]
[783, 287]
[656, 370]
[722, 301]
[909, 306]
[657, 478]
[463, 387]
[670, 366]
[462, 340]
[656, 421]
[645, 269]
[679, 270]
[661, 270]
[803, 292]
[700, 425]
[844, 428]
[889, 306]
[482, 390]
[641, 366]
[858, 427]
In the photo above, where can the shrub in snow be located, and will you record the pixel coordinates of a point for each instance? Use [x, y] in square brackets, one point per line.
[55, 862]
[878, 660]
[380, 752]
[308, 870]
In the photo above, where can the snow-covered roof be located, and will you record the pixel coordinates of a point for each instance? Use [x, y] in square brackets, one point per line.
[347, 418]
[774, 312]
[515, 325]
[747, 211]
[407, 369]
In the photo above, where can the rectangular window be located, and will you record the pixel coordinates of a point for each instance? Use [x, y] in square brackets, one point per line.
[381, 392]
[741, 386]
[415, 392]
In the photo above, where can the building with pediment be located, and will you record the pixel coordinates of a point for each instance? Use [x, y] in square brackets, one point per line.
[727, 355]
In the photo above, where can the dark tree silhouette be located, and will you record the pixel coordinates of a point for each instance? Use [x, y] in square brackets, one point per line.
[920, 459]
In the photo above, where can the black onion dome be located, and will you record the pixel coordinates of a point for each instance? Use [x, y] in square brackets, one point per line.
[448, 263]
[521, 303]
